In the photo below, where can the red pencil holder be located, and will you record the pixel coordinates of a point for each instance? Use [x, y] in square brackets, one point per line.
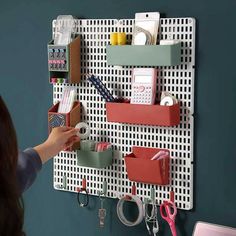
[71, 118]
[143, 114]
[140, 167]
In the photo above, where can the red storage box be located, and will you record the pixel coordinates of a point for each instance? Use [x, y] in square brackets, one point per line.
[143, 114]
[140, 167]
[71, 118]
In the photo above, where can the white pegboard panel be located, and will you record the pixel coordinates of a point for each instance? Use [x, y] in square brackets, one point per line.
[179, 80]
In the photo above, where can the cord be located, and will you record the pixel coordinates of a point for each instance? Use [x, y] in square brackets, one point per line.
[152, 219]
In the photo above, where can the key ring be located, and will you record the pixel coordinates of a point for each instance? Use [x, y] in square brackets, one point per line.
[82, 204]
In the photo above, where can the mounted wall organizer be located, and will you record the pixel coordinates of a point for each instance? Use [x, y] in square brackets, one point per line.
[140, 167]
[171, 129]
[56, 119]
[64, 62]
[148, 55]
[143, 114]
[94, 159]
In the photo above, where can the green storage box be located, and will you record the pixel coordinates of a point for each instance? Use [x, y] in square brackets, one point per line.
[147, 55]
[94, 159]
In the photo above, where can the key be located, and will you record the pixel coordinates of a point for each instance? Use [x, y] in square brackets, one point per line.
[102, 215]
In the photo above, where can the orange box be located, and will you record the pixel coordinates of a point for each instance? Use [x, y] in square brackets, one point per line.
[71, 118]
[140, 167]
[143, 114]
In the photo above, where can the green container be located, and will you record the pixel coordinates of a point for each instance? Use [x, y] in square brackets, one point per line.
[94, 159]
[147, 55]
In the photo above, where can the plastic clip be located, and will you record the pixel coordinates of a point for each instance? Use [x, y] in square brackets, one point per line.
[84, 190]
[133, 192]
[172, 196]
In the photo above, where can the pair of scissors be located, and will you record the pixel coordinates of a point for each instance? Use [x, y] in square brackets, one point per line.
[168, 212]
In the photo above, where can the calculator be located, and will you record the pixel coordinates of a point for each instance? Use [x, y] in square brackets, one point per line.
[143, 88]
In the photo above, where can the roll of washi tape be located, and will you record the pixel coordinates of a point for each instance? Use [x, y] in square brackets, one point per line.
[121, 38]
[87, 145]
[54, 80]
[60, 80]
[120, 211]
[80, 126]
[114, 38]
[167, 101]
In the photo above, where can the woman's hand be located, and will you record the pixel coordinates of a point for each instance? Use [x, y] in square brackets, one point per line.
[59, 139]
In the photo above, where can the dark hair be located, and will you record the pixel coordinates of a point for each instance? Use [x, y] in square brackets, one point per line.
[11, 207]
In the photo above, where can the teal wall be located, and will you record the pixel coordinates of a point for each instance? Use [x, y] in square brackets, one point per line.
[25, 28]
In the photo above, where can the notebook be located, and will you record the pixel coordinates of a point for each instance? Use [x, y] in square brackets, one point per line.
[206, 229]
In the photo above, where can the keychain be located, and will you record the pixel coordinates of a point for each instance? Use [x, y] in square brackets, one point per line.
[101, 213]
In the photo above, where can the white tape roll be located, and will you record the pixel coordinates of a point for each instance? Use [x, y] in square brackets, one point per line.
[140, 38]
[167, 101]
[86, 127]
[120, 211]
[168, 42]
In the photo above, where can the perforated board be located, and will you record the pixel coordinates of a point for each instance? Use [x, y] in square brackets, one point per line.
[179, 80]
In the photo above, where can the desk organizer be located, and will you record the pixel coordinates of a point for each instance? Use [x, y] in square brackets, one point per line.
[64, 62]
[56, 119]
[140, 167]
[147, 55]
[143, 114]
[94, 159]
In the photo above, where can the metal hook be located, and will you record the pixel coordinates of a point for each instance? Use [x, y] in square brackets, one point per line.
[103, 192]
[64, 183]
[152, 197]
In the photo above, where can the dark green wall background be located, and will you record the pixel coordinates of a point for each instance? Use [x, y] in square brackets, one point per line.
[25, 29]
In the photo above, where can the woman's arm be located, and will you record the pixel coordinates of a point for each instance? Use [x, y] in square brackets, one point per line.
[59, 139]
[30, 161]
[28, 165]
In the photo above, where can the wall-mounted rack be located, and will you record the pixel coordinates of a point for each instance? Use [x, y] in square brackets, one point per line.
[178, 80]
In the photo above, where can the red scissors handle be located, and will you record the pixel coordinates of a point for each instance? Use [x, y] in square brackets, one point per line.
[168, 215]
[173, 228]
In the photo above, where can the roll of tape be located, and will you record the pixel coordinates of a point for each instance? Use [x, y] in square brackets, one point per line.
[140, 38]
[87, 130]
[120, 211]
[168, 42]
[121, 38]
[113, 38]
[167, 101]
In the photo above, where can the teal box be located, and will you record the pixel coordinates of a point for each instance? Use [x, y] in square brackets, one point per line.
[147, 55]
[94, 159]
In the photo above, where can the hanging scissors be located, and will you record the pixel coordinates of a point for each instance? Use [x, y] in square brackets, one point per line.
[168, 212]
